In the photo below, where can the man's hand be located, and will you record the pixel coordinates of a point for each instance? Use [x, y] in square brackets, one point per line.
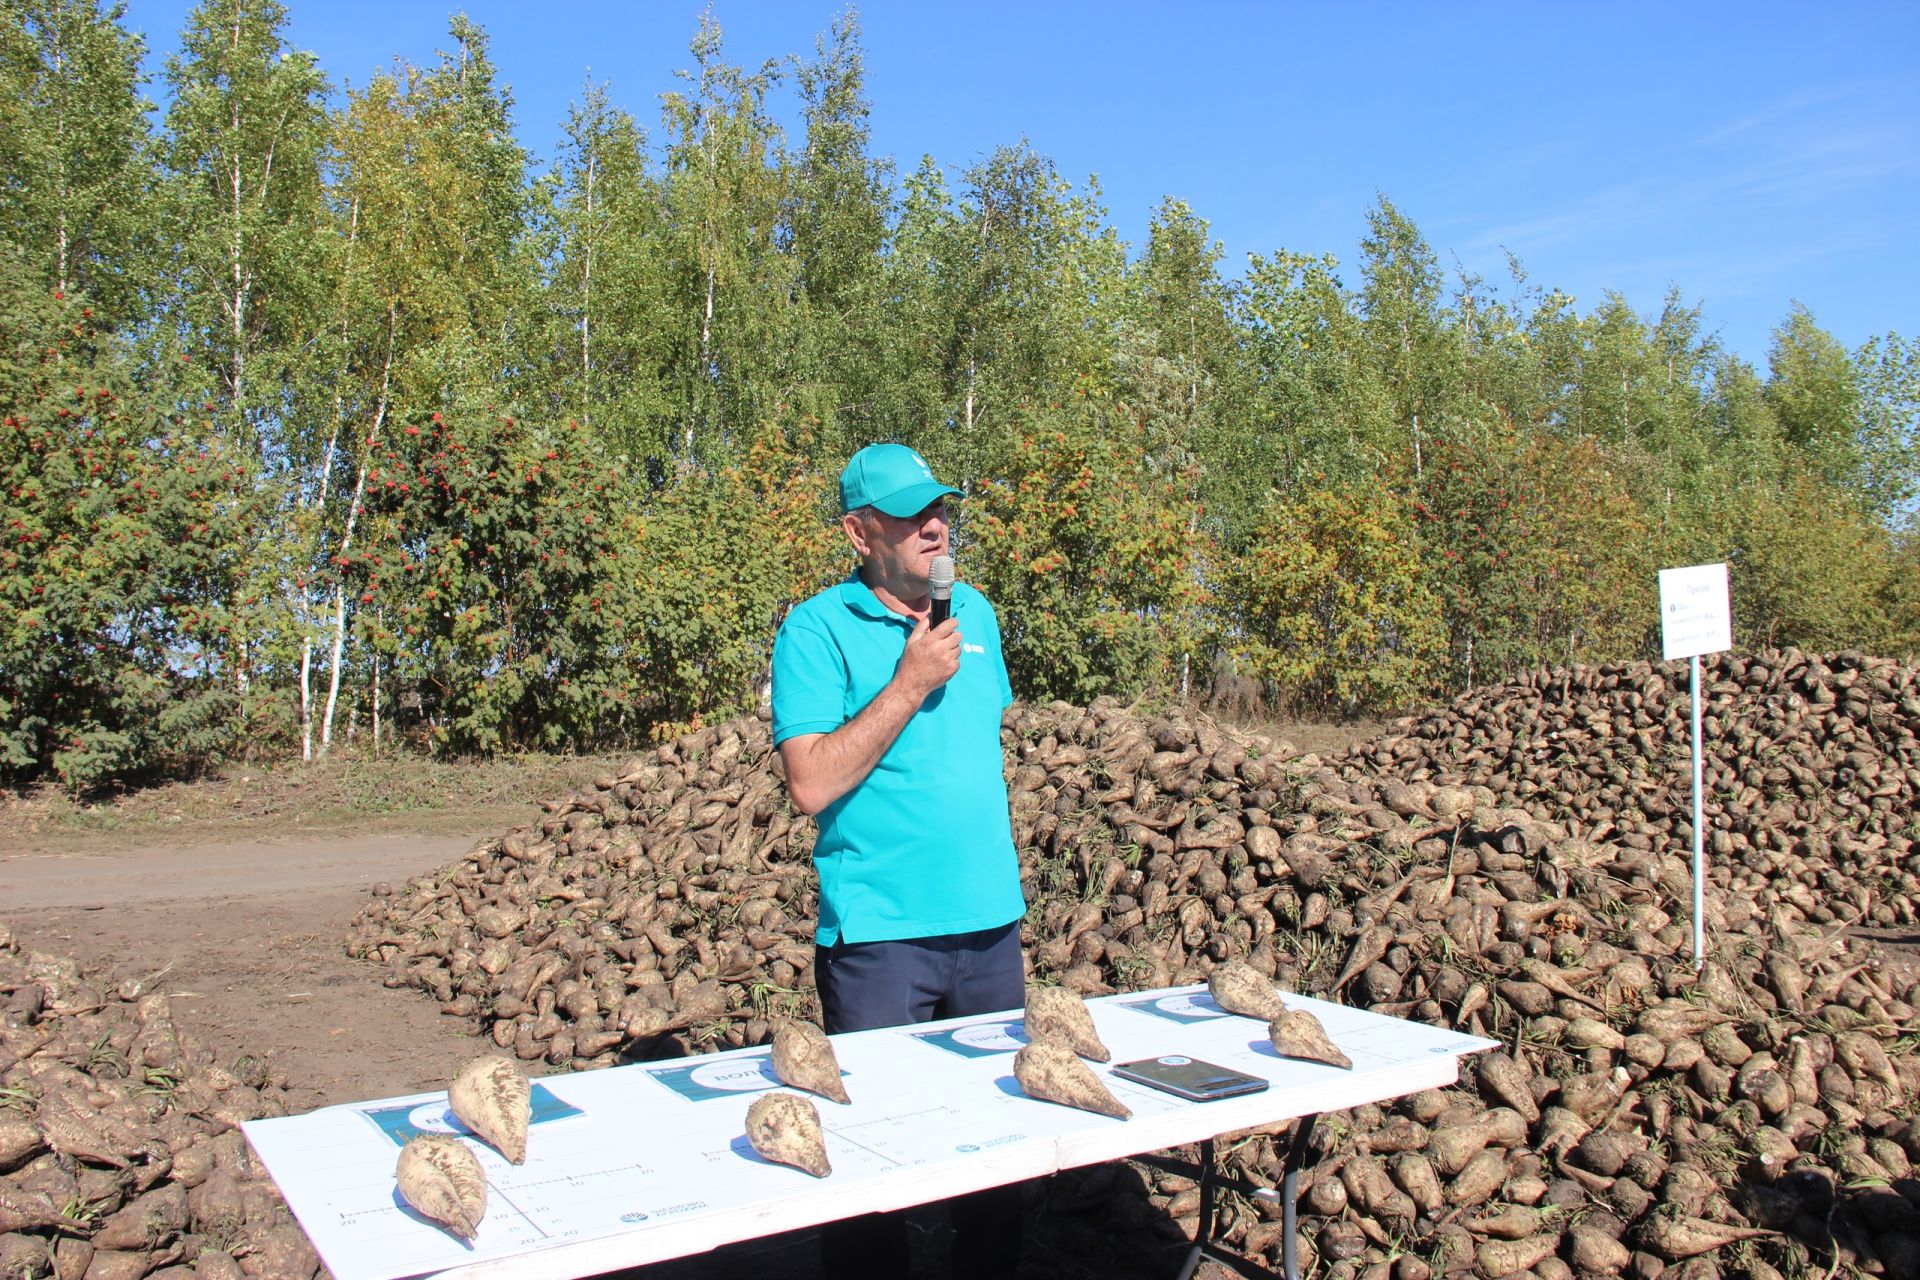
[822, 767]
[931, 658]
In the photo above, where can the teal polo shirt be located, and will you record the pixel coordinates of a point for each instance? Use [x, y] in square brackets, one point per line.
[922, 847]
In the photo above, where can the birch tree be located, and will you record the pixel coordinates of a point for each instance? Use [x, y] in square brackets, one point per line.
[731, 284]
[245, 144]
[246, 138]
[1412, 342]
[76, 167]
[606, 288]
[433, 197]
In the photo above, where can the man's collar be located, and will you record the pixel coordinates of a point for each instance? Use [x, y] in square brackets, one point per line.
[859, 597]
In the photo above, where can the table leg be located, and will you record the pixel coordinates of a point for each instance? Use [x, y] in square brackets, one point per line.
[1204, 1243]
[1289, 1189]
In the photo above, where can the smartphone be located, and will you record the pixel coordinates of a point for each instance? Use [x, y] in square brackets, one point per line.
[1189, 1078]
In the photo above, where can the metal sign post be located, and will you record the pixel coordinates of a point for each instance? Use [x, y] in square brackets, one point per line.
[1699, 827]
[1696, 617]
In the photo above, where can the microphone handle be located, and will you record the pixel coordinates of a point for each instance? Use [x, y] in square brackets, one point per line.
[939, 611]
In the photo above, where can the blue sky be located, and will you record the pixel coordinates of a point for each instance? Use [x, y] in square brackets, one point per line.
[1753, 155]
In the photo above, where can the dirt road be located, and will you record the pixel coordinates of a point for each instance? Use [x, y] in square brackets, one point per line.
[246, 939]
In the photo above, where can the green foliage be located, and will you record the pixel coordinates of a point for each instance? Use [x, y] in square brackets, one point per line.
[1322, 407]
[718, 560]
[1178, 361]
[1807, 568]
[510, 580]
[1903, 598]
[485, 576]
[116, 568]
[1085, 555]
[839, 218]
[1536, 549]
[1887, 370]
[246, 136]
[1329, 604]
[1413, 344]
[1813, 392]
[840, 200]
[75, 163]
[1007, 311]
[286, 493]
[432, 189]
[608, 307]
[731, 327]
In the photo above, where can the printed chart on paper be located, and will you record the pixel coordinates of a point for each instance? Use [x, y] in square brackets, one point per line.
[652, 1161]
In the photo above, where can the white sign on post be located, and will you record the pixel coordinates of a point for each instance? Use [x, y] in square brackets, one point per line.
[1696, 617]
[1696, 614]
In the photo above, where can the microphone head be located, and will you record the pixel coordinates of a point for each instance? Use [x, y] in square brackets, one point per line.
[940, 577]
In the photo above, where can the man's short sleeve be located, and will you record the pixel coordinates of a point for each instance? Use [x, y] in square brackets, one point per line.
[999, 659]
[809, 682]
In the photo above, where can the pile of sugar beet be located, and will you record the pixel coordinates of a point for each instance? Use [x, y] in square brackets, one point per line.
[1517, 866]
[120, 1149]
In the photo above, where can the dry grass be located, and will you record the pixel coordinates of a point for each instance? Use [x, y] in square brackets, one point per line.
[393, 793]
[348, 793]
[1323, 738]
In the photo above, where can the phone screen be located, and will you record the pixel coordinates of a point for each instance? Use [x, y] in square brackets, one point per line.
[1189, 1078]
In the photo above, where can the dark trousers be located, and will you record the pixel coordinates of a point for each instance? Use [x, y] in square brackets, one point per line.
[864, 985]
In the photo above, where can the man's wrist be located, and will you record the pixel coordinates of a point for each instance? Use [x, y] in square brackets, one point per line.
[904, 685]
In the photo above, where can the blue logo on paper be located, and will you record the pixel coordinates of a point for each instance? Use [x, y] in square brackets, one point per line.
[978, 1039]
[635, 1216]
[409, 1121]
[727, 1077]
[1004, 1139]
[1193, 1006]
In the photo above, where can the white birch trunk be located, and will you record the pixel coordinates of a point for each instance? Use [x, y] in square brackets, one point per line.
[60, 222]
[1406, 363]
[376, 705]
[238, 313]
[586, 304]
[706, 353]
[340, 618]
[346, 539]
[319, 498]
[306, 693]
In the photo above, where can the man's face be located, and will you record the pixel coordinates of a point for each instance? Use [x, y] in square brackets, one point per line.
[898, 551]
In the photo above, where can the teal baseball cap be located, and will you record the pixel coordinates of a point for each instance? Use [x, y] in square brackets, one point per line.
[893, 479]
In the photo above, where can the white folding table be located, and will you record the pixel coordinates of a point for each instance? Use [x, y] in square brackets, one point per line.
[643, 1163]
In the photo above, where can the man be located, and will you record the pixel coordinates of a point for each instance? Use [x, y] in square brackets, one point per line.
[889, 731]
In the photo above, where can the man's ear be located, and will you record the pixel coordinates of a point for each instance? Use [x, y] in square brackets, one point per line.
[856, 530]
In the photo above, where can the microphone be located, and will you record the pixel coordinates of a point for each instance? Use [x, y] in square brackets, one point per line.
[940, 587]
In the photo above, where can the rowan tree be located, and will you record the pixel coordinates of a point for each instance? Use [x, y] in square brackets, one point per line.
[123, 529]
